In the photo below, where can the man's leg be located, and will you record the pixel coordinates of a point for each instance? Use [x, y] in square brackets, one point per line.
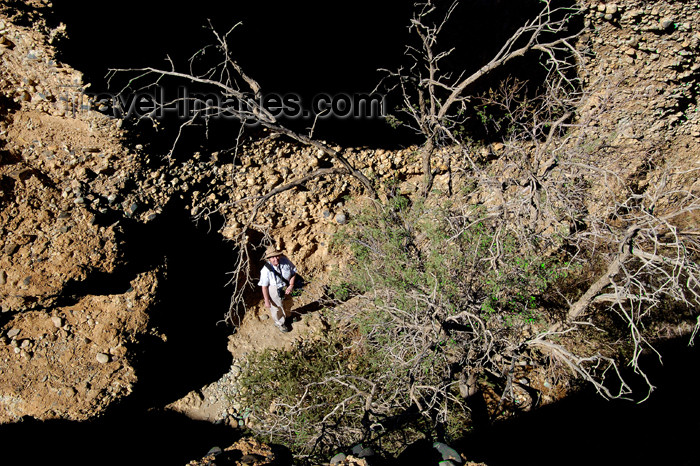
[277, 307]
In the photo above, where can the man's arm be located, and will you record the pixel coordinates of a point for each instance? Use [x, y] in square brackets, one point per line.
[266, 295]
[290, 288]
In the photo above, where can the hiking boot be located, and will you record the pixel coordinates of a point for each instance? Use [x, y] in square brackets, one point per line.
[283, 328]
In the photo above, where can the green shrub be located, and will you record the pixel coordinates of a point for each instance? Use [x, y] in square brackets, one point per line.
[438, 293]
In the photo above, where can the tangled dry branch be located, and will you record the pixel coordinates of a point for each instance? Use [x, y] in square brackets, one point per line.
[436, 102]
[241, 102]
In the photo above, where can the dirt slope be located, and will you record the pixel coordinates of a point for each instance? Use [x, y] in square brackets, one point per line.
[61, 169]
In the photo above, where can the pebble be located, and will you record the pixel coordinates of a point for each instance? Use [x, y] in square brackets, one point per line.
[102, 358]
[57, 321]
[11, 248]
[341, 219]
[666, 23]
[448, 453]
[611, 9]
[339, 458]
[12, 333]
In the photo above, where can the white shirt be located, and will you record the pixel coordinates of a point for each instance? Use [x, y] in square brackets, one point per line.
[285, 268]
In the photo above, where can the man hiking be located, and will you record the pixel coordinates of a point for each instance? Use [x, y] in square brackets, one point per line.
[277, 282]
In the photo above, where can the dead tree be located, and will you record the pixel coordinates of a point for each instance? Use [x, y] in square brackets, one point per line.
[435, 100]
[540, 185]
[241, 102]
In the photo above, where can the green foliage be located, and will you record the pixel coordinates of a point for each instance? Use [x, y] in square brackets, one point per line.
[393, 121]
[427, 264]
[386, 255]
[417, 268]
[513, 289]
[411, 248]
[315, 396]
[298, 388]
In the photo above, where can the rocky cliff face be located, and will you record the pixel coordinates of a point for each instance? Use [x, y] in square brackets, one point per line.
[643, 70]
[71, 189]
[63, 349]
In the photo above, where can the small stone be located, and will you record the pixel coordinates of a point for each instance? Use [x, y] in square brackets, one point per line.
[360, 451]
[12, 332]
[11, 248]
[57, 321]
[339, 458]
[341, 219]
[448, 453]
[666, 23]
[102, 358]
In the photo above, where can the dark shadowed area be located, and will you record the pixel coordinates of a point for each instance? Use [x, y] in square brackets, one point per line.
[305, 49]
